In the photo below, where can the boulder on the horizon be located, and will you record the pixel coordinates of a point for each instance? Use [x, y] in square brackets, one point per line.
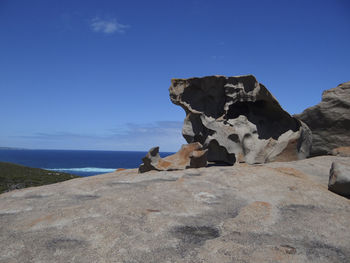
[238, 119]
[189, 156]
[329, 120]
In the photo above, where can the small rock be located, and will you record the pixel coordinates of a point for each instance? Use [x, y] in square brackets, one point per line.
[339, 179]
[189, 156]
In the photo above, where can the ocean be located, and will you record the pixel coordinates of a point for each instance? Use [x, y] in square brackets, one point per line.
[78, 162]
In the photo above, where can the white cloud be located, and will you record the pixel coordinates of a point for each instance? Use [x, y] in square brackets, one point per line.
[107, 26]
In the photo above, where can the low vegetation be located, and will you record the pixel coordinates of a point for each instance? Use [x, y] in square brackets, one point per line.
[14, 176]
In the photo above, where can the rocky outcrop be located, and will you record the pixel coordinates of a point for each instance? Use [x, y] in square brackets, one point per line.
[241, 213]
[238, 119]
[339, 179]
[329, 120]
[189, 156]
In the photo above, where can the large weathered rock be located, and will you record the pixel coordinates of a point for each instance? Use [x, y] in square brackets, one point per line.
[262, 213]
[339, 179]
[329, 120]
[189, 156]
[237, 118]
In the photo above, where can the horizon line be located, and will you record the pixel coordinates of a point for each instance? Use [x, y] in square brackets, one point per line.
[32, 149]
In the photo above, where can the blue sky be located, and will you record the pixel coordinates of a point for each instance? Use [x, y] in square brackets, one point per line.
[95, 74]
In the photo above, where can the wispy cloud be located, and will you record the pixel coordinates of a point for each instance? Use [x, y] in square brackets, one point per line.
[107, 26]
[56, 136]
[132, 136]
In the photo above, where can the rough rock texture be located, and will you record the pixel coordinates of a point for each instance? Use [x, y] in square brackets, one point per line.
[329, 120]
[276, 212]
[189, 156]
[237, 118]
[339, 179]
[341, 151]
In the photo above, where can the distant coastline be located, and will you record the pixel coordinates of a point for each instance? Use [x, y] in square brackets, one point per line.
[77, 162]
[12, 148]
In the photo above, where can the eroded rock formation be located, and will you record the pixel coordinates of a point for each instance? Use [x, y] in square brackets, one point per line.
[329, 120]
[189, 156]
[237, 118]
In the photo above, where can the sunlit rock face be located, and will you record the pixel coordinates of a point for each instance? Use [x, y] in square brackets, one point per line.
[238, 119]
[189, 156]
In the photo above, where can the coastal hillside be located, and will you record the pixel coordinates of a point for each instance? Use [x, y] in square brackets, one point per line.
[274, 212]
[14, 176]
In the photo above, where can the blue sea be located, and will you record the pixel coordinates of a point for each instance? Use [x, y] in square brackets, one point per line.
[78, 162]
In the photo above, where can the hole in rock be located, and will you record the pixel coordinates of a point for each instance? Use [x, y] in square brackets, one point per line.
[211, 100]
[234, 137]
[248, 82]
[270, 120]
[219, 154]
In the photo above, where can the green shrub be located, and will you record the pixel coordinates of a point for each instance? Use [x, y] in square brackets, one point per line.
[14, 176]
